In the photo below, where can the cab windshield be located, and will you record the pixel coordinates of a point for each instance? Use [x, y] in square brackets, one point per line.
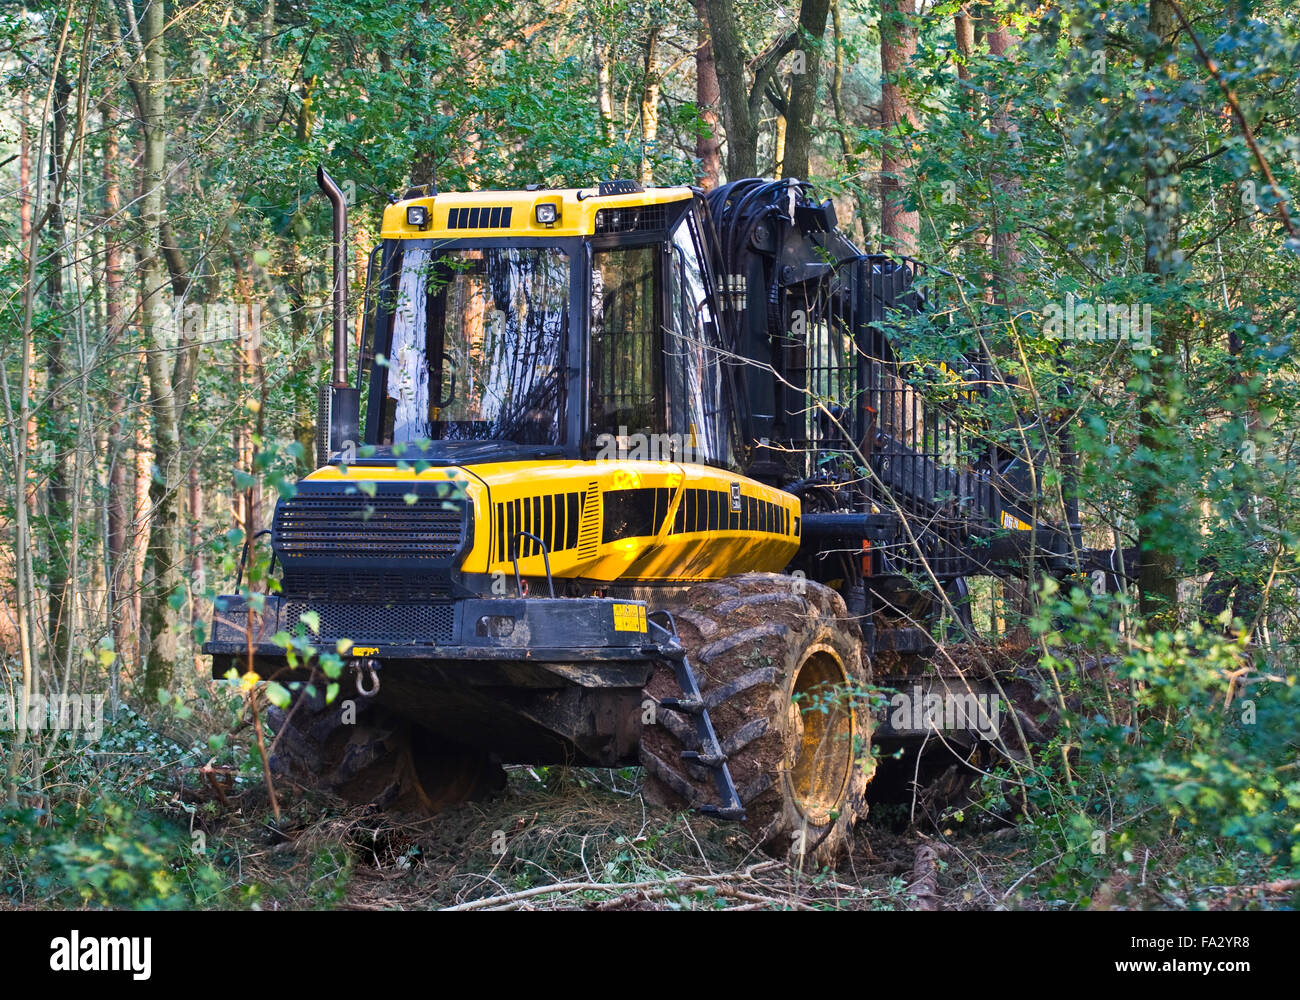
[477, 345]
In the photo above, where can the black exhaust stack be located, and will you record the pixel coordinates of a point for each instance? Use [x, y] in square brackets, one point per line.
[339, 417]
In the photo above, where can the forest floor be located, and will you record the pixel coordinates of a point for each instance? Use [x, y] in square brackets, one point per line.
[553, 838]
[584, 839]
[581, 838]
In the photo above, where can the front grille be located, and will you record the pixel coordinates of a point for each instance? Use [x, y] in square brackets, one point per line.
[339, 543]
[377, 624]
[365, 585]
[355, 526]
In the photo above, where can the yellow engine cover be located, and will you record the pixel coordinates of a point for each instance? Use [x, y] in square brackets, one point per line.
[612, 521]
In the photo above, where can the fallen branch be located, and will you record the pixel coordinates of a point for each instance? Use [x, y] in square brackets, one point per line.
[210, 774]
[662, 885]
[751, 900]
[925, 877]
[1267, 888]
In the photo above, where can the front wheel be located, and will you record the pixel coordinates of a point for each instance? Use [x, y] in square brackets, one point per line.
[780, 666]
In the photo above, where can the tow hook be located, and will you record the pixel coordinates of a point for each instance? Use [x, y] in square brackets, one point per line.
[372, 667]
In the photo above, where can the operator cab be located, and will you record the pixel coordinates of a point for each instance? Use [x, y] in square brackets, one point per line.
[577, 323]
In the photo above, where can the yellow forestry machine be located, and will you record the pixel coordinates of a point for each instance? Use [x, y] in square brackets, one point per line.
[634, 477]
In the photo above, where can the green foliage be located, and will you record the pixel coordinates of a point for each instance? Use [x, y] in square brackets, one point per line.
[110, 856]
[1174, 740]
[103, 853]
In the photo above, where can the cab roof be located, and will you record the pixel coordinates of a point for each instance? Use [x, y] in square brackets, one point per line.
[479, 214]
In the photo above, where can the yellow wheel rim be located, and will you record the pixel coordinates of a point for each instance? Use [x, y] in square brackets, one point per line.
[824, 724]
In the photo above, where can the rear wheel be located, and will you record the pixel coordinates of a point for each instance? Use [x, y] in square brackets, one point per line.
[369, 756]
[780, 666]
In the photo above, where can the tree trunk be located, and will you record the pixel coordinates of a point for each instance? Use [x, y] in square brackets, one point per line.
[708, 148]
[604, 96]
[898, 224]
[141, 518]
[1005, 248]
[20, 448]
[24, 177]
[963, 26]
[851, 160]
[251, 335]
[649, 107]
[197, 569]
[117, 511]
[1004, 288]
[264, 52]
[25, 228]
[304, 424]
[160, 609]
[58, 510]
[239, 437]
[729, 61]
[1157, 581]
[803, 90]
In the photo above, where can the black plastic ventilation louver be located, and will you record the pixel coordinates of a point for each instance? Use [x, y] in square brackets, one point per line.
[480, 217]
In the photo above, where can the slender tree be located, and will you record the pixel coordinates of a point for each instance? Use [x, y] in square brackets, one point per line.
[898, 125]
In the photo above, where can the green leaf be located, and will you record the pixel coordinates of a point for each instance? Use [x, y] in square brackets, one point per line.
[277, 695]
[332, 665]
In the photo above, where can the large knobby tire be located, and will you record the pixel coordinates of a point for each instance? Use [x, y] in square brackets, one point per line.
[369, 756]
[780, 666]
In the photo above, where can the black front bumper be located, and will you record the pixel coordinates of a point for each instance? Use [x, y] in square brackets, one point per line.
[531, 680]
[597, 629]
